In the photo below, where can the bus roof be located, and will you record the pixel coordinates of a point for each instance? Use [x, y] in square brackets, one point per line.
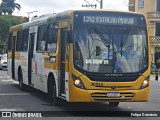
[104, 10]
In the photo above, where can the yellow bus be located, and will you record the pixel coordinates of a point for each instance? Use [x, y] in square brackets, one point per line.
[83, 56]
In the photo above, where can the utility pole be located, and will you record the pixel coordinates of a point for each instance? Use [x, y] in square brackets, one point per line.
[93, 5]
[101, 3]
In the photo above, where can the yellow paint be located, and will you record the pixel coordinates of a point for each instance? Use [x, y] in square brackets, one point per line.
[79, 95]
[64, 23]
[9, 55]
[16, 28]
[47, 63]
[17, 55]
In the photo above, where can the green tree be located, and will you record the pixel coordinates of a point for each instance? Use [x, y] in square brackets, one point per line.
[3, 8]
[0, 10]
[9, 6]
[5, 23]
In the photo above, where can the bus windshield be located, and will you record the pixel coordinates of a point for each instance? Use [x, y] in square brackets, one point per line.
[110, 49]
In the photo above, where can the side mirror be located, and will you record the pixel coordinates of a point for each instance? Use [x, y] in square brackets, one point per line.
[69, 37]
[98, 50]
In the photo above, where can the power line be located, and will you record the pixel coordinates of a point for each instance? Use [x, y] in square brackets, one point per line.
[88, 4]
[93, 5]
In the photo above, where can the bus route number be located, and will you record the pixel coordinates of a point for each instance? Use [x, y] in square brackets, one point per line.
[96, 84]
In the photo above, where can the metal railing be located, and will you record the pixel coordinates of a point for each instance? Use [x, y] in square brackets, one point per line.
[154, 39]
[153, 15]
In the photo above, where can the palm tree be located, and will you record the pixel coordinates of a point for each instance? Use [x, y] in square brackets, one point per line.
[8, 6]
[3, 7]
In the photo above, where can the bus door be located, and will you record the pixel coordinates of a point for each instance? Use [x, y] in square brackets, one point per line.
[30, 58]
[13, 56]
[63, 57]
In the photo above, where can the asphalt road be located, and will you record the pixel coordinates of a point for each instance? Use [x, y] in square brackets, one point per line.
[13, 99]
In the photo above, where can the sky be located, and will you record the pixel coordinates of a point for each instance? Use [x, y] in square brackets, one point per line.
[56, 6]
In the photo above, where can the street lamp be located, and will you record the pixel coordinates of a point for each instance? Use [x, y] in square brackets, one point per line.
[30, 13]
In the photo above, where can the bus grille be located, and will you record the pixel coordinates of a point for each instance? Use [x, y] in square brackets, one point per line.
[124, 96]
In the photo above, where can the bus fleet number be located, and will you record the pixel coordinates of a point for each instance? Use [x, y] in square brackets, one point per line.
[96, 84]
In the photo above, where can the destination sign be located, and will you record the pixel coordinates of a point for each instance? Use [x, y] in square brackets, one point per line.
[108, 18]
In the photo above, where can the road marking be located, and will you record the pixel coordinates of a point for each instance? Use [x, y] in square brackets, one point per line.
[5, 77]
[8, 94]
[11, 81]
[7, 80]
[12, 109]
[15, 82]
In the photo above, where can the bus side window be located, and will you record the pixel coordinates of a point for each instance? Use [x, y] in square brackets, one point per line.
[52, 38]
[41, 39]
[25, 40]
[19, 41]
[10, 41]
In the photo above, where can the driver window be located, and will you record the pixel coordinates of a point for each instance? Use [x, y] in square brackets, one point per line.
[52, 38]
[41, 39]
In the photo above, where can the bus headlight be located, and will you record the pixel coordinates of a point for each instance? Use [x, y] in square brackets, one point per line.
[78, 82]
[145, 83]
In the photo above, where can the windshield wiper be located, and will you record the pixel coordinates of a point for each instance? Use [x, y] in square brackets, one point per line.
[102, 39]
[107, 44]
[124, 39]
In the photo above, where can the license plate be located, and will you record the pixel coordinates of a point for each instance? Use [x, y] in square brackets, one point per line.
[113, 94]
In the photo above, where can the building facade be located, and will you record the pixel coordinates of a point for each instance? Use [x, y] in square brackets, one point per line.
[151, 10]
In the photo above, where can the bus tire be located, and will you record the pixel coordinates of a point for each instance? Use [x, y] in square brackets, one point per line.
[20, 79]
[52, 93]
[114, 104]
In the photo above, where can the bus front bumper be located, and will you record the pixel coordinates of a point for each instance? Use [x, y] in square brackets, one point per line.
[81, 95]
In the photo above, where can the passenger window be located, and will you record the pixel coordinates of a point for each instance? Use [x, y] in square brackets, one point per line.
[52, 38]
[25, 40]
[19, 41]
[41, 39]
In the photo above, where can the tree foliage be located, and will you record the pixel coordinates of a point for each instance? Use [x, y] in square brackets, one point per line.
[5, 23]
[0, 10]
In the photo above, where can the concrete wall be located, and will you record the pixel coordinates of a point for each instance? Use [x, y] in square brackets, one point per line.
[131, 5]
[149, 6]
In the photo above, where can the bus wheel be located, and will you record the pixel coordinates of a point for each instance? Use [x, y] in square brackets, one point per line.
[52, 94]
[20, 79]
[113, 104]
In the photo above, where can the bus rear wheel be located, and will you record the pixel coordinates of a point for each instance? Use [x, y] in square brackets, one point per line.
[52, 94]
[113, 104]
